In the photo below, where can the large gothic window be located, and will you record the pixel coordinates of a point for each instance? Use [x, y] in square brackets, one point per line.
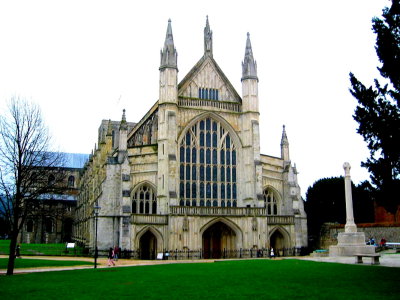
[207, 173]
[270, 201]
[144, 201]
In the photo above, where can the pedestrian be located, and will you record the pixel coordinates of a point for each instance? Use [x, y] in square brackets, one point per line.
[17, 251]
[111, 257]
[116, 253]
[272, 253]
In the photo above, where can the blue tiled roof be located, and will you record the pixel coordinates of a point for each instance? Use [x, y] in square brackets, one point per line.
[75, 160]
[57, 197]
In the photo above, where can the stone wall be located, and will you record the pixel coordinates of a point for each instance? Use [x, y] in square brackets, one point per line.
[329, 233]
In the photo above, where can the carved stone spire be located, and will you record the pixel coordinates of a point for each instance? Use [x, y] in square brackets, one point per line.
[284, 140]
[284, 145]
[123, 125]
[249, 65]
[208, 43]
[109, 129]
[169, 56]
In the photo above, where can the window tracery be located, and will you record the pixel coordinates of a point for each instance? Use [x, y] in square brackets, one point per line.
[208, 160]
[270, 201]
[147, 133]
[144, 201]
[210, 94]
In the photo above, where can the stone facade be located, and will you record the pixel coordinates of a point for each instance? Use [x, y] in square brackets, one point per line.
[51, 219]
[390, 232]
[189, 175]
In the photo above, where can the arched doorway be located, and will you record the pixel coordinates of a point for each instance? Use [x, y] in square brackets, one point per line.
[148, 245]
[218, 241]
[279, 242]
[67, 233]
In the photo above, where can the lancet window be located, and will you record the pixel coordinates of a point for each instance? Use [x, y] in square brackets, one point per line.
[144, 201]
[211, 94]
[29, 226]
[270, 201]
[208, 160]
[71, 181]
[48, 225]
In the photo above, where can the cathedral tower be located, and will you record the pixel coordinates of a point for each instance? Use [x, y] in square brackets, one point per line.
[250, 129]
[167, 124]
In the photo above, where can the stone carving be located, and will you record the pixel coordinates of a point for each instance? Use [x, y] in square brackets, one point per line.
[350, 226]
[147, 133]
[254, 223]
[185, 225]
[350, 242]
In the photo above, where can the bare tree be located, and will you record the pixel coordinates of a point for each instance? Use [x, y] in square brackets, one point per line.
[25, 161]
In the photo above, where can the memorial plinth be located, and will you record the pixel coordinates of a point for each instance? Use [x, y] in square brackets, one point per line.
[350, 242]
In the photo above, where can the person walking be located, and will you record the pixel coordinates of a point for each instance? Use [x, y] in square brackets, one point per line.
[17, 251]
[272, 253]
[116, 253]
[111, 257]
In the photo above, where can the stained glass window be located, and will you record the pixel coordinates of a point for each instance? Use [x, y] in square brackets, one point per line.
[207, 166]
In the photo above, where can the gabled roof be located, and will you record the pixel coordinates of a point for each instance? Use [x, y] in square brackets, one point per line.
[198, 67]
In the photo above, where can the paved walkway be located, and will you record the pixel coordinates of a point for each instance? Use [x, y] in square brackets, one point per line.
[387, 260]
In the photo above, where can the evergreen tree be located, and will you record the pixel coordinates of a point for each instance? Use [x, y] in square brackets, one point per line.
[378, 113]
[326, 203]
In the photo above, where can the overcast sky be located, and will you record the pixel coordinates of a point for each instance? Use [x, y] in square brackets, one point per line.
[84, 61]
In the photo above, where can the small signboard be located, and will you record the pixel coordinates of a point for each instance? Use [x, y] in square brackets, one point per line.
[70, 245]
[160, 255]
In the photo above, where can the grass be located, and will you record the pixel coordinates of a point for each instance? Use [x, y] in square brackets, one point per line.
[36, 263]
[246, 279]
[42, 249]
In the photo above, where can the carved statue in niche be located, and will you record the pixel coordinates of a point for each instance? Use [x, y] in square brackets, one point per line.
[185, 225]
[254, 223]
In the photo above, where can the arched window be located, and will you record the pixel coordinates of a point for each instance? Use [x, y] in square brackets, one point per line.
[48, 225]
[29, 226]
[51, 180]
[208, 161]
[71, 181]
[144, 200]
[270, 201]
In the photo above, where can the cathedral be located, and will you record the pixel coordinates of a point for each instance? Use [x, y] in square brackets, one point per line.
[189, 177]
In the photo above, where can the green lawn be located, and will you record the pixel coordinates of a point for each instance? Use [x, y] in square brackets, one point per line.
[36, 263]
[255, 279]
[42, 249]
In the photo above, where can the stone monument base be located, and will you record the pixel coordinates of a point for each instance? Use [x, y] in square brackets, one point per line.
[351, 243]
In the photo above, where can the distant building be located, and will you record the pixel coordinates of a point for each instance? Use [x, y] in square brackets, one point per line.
[52, 219]
[189, 175]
